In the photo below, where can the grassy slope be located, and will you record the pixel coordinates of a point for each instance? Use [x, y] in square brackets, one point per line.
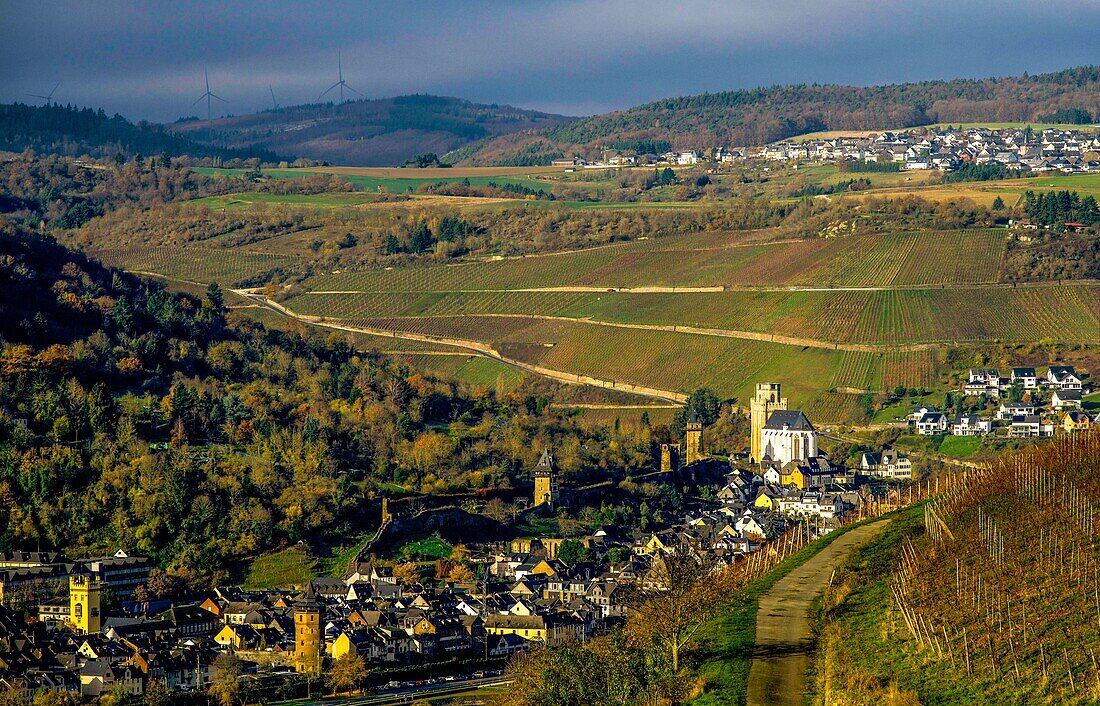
[292, 566]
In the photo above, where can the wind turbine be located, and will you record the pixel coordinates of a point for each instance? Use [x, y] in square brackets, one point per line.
[208, 95]
[49, 97]
[274, 105]
[341, 83]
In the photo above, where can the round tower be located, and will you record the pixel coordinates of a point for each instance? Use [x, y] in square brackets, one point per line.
[307, 633]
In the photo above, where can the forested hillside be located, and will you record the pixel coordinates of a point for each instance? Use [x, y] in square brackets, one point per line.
[167, 424]
[388, 131]
[762, 115]
[73, 131]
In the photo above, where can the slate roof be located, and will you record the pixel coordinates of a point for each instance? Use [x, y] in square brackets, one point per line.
[789, 418]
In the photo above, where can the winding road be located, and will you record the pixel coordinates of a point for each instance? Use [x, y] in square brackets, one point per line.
[784, 641]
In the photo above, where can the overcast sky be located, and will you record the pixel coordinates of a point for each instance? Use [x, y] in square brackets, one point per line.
[146, 59]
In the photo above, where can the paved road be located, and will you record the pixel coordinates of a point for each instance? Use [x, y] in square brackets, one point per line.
[784, 643]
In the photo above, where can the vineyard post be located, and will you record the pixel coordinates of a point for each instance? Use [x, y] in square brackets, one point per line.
[966, 651]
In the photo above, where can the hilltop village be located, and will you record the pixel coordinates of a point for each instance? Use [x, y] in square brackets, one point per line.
[103, 625]
[1023, 151]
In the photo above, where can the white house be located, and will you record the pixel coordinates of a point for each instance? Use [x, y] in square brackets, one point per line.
[969, 425]
[1066, 399]
[1008, 410]
[932, 423]
[1063, 377]
[1030, 426]
[687, 158]
[1025, 378]
[887, 464]
[800, 504]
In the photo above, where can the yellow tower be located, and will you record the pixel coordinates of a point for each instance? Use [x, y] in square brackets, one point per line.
[546, 481]
[85, 611]
[307, 633]
[768, 399]
[693, 433]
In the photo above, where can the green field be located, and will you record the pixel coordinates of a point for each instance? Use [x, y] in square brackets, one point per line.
[960, 446]
[282, 569]
[393, 185]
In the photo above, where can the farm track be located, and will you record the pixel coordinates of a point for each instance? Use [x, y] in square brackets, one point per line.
[784, 639]
[473, 346]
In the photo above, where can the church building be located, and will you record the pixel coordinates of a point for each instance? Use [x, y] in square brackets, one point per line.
[788, 436]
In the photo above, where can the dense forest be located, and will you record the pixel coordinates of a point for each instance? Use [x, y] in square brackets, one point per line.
[762, 115]
[68, 130]
[388, 131]
[131, 416]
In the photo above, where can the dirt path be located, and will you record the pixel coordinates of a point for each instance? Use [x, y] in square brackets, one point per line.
[784, 643]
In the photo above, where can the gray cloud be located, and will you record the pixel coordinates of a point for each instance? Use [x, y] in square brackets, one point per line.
[575, 56]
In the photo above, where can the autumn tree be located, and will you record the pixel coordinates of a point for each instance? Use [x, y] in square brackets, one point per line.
[226, 687]
[348, 673]
[681, 592]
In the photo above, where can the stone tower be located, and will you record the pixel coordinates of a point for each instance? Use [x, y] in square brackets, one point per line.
[85, 610]
[768, 399]
[693, 433]
[670, 457]
[307, 633]
[546, 481]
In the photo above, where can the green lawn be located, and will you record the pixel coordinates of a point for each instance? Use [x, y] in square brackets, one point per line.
[960, 446]
[427, 549]
[292, 566]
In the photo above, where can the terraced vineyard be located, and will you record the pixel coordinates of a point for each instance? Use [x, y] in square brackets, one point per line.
[887, 317]
[193, 264]
[712, 260]
[666, 360]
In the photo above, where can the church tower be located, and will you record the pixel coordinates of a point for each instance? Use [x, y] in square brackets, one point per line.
[693, 433]
[307, 633]
[85, 610]
[768, 399]
[546, 481]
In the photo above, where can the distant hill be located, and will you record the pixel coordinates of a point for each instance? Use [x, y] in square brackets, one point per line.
[762, 115]
[72, 131]
[381, 132]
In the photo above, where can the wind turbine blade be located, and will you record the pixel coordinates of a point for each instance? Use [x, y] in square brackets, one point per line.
[353, 90]
[55, 88]
[327, 90]
[35, 95]
[199, 98]
[215, 95]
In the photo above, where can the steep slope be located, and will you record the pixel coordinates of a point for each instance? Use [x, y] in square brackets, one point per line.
[386, 131]
[73, 131]
[990, 595]
[762, 115]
